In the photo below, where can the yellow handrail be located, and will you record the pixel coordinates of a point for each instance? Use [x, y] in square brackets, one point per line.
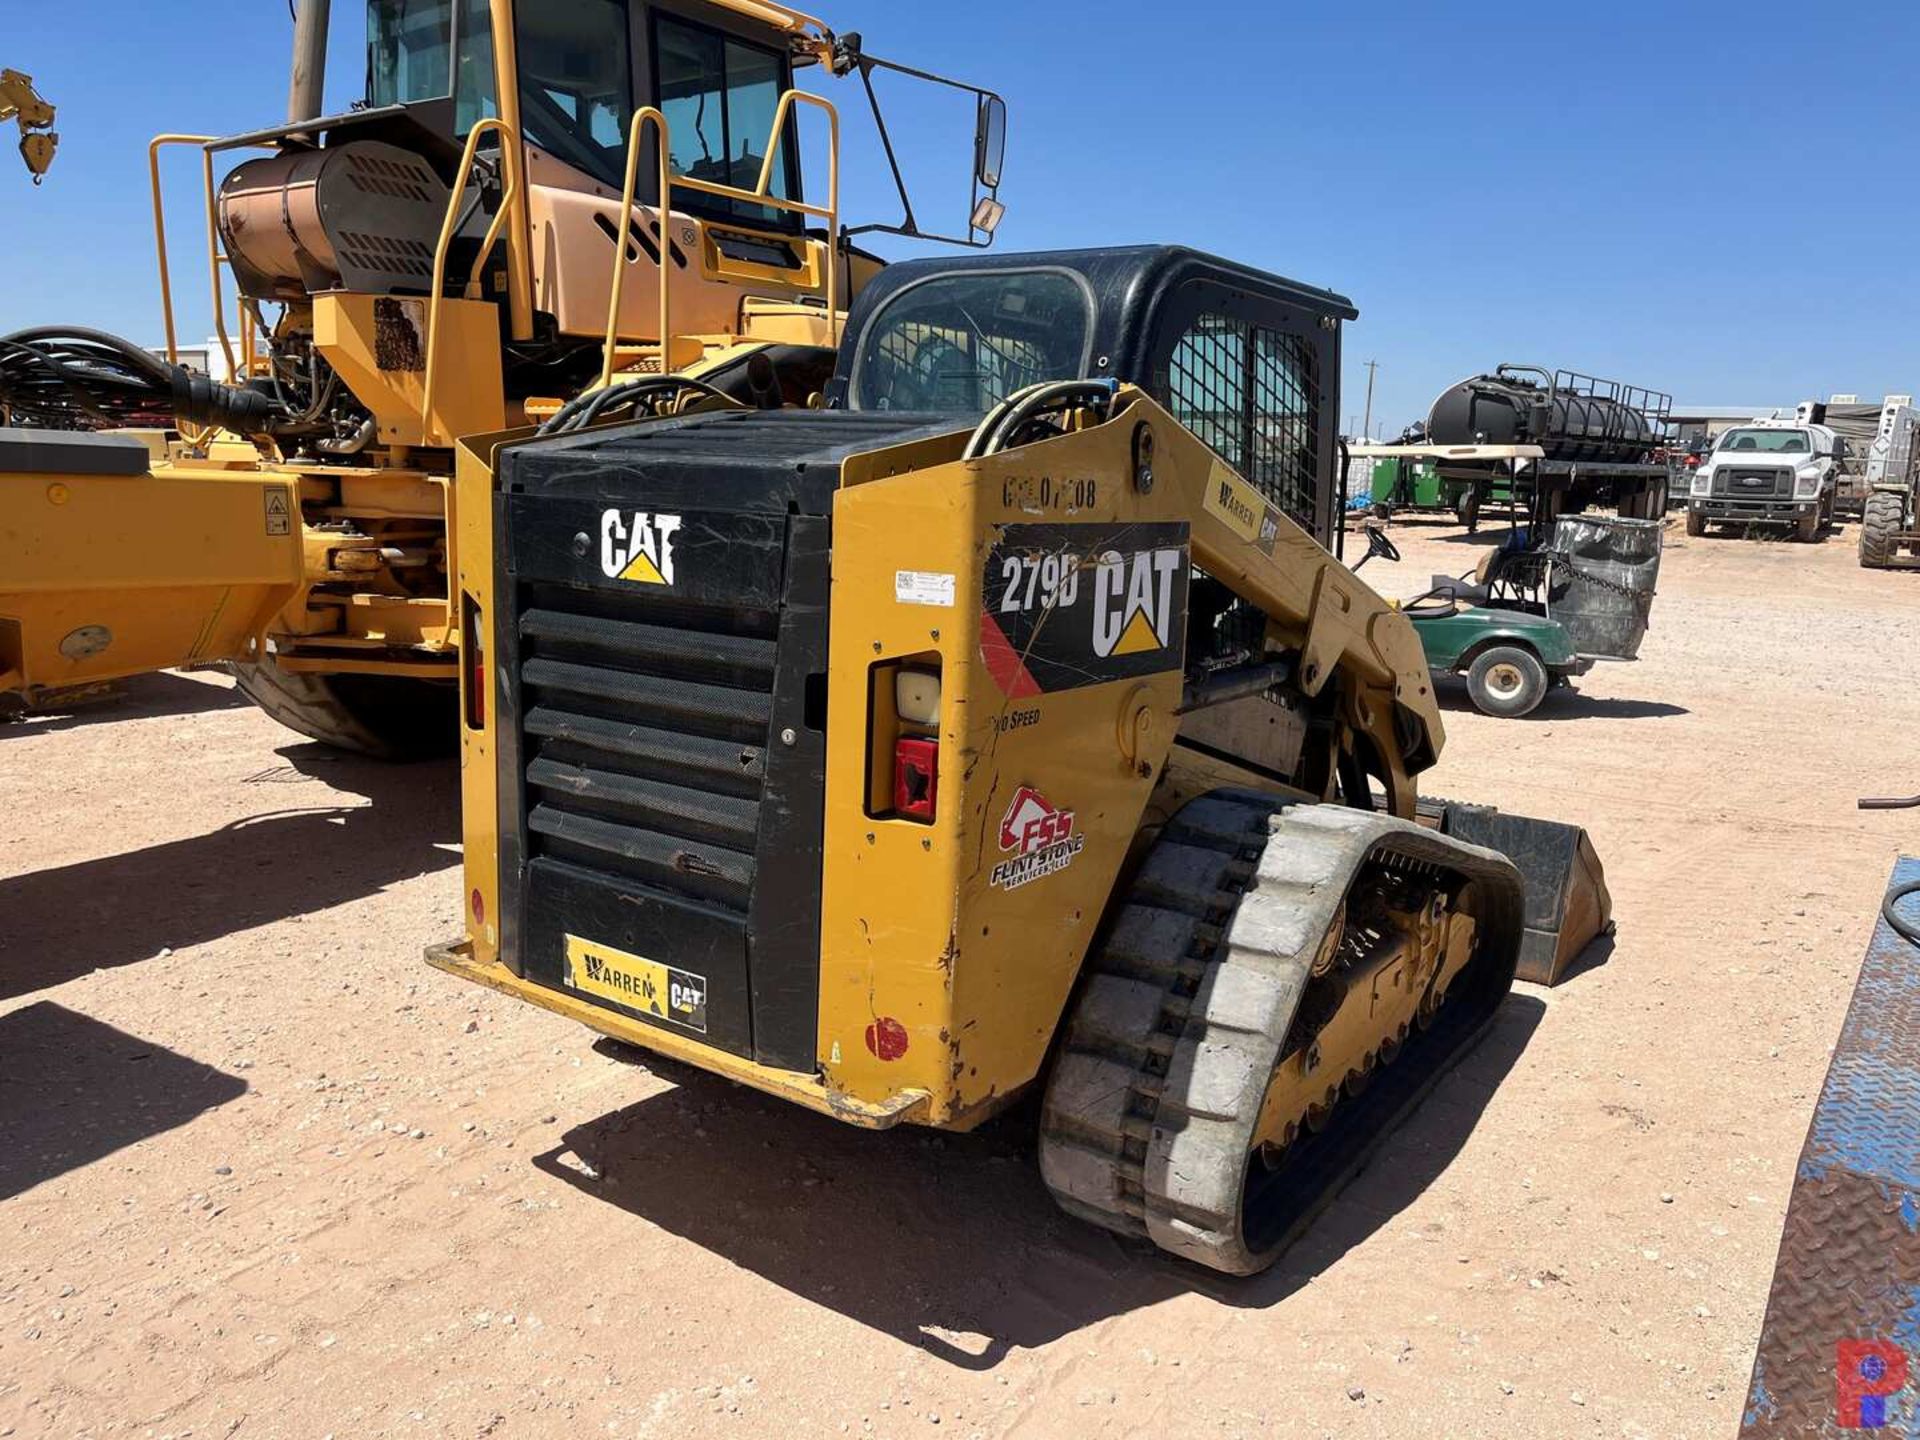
[215, 256]
[215, 259]
[510, 166]
[759, 195]
[154, 148]
[506, 89]
[635, 129]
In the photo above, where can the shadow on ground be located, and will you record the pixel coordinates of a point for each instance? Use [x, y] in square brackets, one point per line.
[99, 914]
[73, 1090]
[1598, 952]
[1451, 692]
[951, 1242]
[145, 697]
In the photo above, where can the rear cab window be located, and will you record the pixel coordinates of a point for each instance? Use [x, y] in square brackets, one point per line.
[962, 343]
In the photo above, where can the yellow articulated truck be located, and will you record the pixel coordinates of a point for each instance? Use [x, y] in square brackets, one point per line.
[476, 243]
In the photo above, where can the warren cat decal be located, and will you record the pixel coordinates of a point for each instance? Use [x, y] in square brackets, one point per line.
[1071, 605]
[1040, 837]
[662, 991]
[637, 546]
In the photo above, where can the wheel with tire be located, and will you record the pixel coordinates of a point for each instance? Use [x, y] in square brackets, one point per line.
[1807, 528]
[1467, 510]
[1879, 523]
[1507, 681]
[380, 716]
[1696, 523]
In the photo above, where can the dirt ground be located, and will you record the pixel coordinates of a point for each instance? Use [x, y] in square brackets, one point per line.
[263, 1173]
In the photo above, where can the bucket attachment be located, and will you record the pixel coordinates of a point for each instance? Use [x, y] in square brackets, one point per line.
[1567, 901]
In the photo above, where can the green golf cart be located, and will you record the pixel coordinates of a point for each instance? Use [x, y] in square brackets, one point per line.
[1527, 621]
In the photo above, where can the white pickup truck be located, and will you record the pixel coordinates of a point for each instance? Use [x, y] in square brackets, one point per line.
[1770, 472]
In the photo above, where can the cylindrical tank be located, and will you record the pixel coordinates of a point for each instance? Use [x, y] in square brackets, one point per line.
[360, 216]
[1508, 408]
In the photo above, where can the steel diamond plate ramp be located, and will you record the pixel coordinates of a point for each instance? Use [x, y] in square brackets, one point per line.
[1840, 1347]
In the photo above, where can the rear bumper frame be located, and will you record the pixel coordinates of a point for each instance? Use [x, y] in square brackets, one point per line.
[906, 1106]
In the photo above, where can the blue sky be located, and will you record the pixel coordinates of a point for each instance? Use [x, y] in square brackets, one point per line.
[1713, 199]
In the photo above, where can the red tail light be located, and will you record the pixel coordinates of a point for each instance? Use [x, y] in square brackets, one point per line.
[916, 777]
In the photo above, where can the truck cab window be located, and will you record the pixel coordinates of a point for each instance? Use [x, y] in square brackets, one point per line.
[473, 92]
[576, 83]
[1772, 442]
[408, 45]
[720, 97]
[419, 50]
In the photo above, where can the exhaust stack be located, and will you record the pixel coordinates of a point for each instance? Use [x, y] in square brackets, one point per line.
[305, 96]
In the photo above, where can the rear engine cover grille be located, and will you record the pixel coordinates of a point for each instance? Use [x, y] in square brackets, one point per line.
[660, 716]
[646, 742]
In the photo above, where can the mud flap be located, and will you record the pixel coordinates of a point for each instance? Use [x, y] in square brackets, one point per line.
[1568, 906]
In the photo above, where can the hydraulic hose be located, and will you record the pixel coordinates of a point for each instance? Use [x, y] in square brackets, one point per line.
[1900, 925]
[1906, 929]
[64, 376]
[1007, 419]
[594, 405]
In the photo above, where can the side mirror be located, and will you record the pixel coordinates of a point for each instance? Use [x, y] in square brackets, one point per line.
[990, 141]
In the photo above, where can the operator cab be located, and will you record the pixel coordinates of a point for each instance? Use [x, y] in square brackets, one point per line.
[1242, 358]
[584, 67]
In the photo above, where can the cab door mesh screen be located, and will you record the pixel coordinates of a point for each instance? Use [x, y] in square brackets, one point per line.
[1253, 395]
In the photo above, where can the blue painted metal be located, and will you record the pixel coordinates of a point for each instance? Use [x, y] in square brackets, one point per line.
[1849, 1266]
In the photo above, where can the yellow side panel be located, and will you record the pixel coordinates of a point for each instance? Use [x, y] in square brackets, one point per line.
[107, 576]
[379, 346]
[471, 525]
[947, 954]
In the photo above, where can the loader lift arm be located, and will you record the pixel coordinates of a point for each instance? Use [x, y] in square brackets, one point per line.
[22, 104]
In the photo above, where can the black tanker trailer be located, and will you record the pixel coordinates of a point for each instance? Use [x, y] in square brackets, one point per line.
[1602, 443]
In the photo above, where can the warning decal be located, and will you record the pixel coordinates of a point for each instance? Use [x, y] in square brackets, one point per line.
[279, 513]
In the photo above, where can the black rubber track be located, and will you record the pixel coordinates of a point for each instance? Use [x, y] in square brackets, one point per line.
[1138, 1133]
